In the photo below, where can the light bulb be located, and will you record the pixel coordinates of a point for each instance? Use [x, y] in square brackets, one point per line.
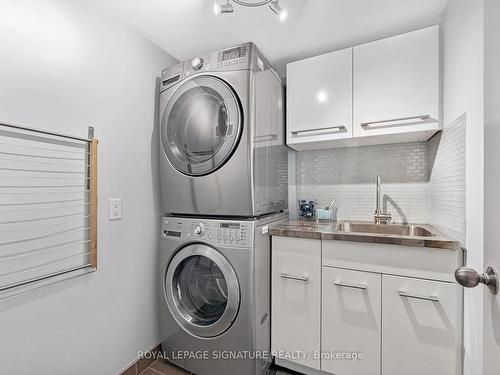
[223, 8]
[280, 12]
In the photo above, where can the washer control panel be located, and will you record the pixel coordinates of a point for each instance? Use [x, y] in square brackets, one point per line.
[221, 233]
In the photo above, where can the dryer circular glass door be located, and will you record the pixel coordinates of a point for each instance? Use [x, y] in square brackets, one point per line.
[201, 125]
[202, 290]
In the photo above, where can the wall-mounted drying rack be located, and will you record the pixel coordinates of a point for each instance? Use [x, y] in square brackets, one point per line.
[48, 207]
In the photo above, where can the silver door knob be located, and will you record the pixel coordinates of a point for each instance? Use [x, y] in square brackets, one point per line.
[470, 278]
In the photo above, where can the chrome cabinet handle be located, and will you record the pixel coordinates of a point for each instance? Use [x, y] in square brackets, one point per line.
[340, 129]
[349, 285]
[366, 125]
[294, 277]
[402, 293]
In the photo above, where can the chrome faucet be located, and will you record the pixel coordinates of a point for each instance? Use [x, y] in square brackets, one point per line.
[379, 216]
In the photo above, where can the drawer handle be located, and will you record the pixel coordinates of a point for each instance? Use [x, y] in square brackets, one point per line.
[294, 277]
[416, 296]
[340, 129]
[349, 285]
[366, 125]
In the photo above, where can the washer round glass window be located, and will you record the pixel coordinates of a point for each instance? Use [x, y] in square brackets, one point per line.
[201, 125]
[202, 290]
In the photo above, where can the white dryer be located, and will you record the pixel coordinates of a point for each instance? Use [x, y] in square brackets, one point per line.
[222, 149]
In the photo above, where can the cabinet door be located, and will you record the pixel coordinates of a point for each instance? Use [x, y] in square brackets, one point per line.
[397, 84]
[351, 321]
[319, 98]
[421, 327]
[295, 302]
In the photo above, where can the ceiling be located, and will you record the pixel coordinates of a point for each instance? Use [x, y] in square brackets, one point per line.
[186, 28]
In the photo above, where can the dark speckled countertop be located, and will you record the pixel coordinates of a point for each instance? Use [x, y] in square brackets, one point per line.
[330, 231]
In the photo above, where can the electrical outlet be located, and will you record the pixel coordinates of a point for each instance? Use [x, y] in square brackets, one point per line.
[115, 209]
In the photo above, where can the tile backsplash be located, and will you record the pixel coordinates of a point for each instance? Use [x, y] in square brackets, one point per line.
[447, 192]
[422, 182]
[349, 174]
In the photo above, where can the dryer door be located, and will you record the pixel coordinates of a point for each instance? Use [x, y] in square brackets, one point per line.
[202, 290]
[201, 125]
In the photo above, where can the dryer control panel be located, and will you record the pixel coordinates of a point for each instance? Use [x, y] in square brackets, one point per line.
[225, 233]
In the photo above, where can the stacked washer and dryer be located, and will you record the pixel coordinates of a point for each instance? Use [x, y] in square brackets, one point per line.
[223, 183]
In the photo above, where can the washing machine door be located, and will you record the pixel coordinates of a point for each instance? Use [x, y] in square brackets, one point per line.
[201, 125]
[202, 290]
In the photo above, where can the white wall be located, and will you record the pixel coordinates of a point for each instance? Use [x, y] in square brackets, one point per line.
[463, 93]
[64, 66]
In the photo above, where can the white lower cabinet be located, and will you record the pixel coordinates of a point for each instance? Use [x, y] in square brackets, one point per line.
[378, 300]
[351, 322]
[421, 323]
[296, 300]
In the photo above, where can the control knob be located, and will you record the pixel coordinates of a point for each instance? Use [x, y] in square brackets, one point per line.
[197, 63]
[199, 229]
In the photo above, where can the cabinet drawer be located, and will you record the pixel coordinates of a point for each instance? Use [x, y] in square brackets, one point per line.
[295, 298]
[421, 327]
[412, 261]
[351, 321]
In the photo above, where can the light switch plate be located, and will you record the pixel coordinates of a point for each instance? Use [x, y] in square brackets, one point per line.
[115, 209]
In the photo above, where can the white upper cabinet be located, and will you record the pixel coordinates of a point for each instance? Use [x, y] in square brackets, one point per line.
[387, 91]
[397, 86]
[319, 99]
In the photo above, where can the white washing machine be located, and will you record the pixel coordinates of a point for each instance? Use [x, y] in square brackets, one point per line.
[222, 149]
[215, 294]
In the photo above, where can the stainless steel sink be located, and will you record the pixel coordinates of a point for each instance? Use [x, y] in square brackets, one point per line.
[391, 229]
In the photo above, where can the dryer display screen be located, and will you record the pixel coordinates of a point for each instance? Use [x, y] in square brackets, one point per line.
[230, 225]
[234, 53]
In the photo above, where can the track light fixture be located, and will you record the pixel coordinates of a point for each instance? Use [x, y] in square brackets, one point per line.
[273, 5]
[223, 8]
[280, 12]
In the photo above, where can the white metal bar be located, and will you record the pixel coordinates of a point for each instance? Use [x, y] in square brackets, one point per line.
[37, 203]
[45, 265]
[46, 132]
[46, 208]
[44, 226]
[41, 218]
[64, 245]
[81, 152]
[45, 277]
[40, 170]
[39, 156]
[44, 236]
